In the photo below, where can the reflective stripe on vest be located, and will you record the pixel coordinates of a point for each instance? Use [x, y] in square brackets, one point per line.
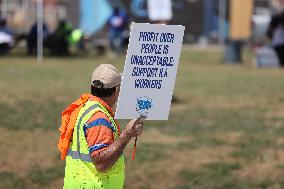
[79, 123]
[77, 154]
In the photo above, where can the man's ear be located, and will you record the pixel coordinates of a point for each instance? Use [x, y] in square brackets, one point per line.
[117, 90]
[115, 93]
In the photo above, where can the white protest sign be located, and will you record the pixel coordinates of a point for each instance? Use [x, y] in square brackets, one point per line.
[160, 10]
[150, 70]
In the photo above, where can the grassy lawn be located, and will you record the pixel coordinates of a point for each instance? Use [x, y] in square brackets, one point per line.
[225, 131]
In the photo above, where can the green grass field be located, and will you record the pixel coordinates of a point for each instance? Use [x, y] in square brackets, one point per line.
[224, 132]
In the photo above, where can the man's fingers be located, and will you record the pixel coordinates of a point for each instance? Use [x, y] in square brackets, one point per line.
[137, 125]
[139, 129]
[139, 120]
[140, 125]
[142, 119]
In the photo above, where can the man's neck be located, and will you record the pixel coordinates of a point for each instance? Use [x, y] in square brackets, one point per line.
[108, 102]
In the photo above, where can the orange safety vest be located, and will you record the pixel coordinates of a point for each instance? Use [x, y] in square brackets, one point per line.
[69, 116]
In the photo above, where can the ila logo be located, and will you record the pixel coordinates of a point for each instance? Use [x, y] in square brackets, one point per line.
[144, 105]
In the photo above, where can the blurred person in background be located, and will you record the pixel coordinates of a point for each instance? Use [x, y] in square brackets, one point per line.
[32, 38]
[118, 23]
[58, 43]
[276, 34]
[6, 37]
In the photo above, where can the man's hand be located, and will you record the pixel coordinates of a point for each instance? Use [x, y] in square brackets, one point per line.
[135, 126]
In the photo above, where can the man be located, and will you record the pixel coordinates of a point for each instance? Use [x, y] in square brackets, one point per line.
[6, 37]
[117, 27]
[32, 38]
[58, 42]
[94, 158]
[276, 34]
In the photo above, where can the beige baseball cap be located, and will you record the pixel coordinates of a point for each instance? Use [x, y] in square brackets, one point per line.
[107, 74]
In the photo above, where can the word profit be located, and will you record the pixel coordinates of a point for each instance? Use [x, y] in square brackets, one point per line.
[156, 37]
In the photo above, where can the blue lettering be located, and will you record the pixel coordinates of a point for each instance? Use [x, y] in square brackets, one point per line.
[147, 83]
[151, 48]
[144, 72]
[148, 36]
[167, 37]
[151, 60]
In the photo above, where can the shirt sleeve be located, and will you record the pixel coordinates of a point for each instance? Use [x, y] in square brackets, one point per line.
[98, 132]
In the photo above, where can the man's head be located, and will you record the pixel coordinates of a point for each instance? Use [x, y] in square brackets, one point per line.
[116, 11]
[106, 83]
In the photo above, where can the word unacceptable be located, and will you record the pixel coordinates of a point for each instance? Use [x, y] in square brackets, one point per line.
[152, 60]
[156, 37]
